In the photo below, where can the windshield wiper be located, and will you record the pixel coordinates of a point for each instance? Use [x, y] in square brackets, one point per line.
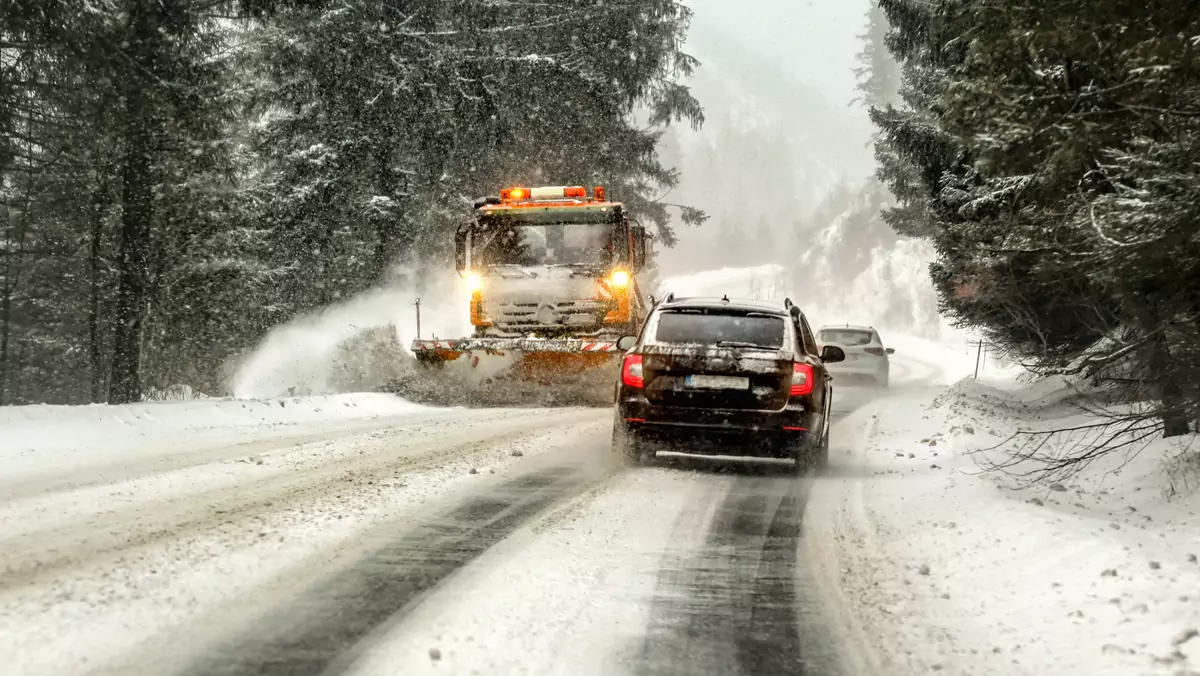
[740, 343]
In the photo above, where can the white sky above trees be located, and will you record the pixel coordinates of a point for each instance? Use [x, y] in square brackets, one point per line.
[776, 81]
[818, 38]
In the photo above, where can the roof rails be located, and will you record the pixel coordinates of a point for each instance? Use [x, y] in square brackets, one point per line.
[672, 298]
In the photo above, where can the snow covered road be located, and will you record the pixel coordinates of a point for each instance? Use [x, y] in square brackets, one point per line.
[563, 570]
[460, 541]
[102, 559]
[366, 536]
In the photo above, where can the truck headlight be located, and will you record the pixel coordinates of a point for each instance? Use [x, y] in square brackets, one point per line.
[619, 279]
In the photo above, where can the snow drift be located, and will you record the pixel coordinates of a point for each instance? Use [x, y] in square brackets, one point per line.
[870, 300]
[953, 569]
[29, 430]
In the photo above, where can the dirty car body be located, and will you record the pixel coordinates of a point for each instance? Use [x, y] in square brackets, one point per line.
[721, 377]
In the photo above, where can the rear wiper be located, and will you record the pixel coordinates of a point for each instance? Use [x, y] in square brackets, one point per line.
[739, 343]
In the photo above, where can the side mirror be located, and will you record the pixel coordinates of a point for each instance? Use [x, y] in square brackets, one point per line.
[638, 254]
[462, 249]
[832, 354]
[626, 343]
[891, 350]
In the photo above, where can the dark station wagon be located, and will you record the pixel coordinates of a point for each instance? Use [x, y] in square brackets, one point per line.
[725, 377]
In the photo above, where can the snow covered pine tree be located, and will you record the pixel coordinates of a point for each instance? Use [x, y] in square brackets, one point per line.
[1042, 149]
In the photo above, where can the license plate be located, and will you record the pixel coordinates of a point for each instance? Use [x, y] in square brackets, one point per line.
[717, 382]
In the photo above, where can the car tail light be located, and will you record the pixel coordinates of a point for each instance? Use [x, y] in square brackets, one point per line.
[877, 351]
[631, 372]
[802, 380]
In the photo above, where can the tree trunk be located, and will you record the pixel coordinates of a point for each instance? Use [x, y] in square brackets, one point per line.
[1161, 376]
[95, 350]
[14, 250]
[19, 366]
[6, 155]
[386, 227]
[137, 178]
[1169, 392]
[5, 318]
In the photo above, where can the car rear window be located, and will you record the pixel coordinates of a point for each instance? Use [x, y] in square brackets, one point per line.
[847, 337]
[708, 328]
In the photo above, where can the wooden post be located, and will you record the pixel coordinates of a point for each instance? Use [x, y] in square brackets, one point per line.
[978, 356]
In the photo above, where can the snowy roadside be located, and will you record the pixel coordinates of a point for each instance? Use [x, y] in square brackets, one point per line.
[37, 439]
[125, 525]
[961, 571]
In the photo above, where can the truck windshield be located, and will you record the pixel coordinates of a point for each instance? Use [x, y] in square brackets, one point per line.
[587, 244]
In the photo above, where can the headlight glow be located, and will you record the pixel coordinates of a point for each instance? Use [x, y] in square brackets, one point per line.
[474, 282]
[620, 278]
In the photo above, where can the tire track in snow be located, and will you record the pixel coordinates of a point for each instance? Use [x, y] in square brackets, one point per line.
[325, 630]
[34, 556]
[741, 605]
[770, 641]
[115, 468]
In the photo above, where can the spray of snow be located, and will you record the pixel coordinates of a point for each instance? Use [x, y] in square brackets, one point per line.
[893, 290]
[313, 353]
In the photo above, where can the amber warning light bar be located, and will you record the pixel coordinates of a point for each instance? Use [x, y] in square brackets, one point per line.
[549, 194]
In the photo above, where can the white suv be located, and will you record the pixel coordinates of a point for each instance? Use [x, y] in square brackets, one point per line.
[866, 357]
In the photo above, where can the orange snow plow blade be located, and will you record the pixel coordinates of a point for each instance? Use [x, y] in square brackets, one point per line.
[592, 351]
[526, 368]
[551, 367]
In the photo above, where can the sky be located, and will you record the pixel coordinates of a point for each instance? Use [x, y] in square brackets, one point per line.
[816, 38]
[776, 81]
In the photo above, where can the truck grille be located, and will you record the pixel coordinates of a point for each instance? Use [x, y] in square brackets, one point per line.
[548, 315]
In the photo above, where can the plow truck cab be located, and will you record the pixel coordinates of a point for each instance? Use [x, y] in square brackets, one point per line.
[553, 275]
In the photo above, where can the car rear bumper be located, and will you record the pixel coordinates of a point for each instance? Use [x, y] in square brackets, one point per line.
[770, 434]
[866, 368]
[857, 373]
[717, 442]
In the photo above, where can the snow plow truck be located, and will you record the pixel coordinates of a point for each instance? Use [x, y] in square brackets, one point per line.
[553, 276]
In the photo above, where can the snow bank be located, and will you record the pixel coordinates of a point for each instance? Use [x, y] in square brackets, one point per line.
[30, 433]
[765, 282]
[892, 289]
[967, 571]
[866, 302]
